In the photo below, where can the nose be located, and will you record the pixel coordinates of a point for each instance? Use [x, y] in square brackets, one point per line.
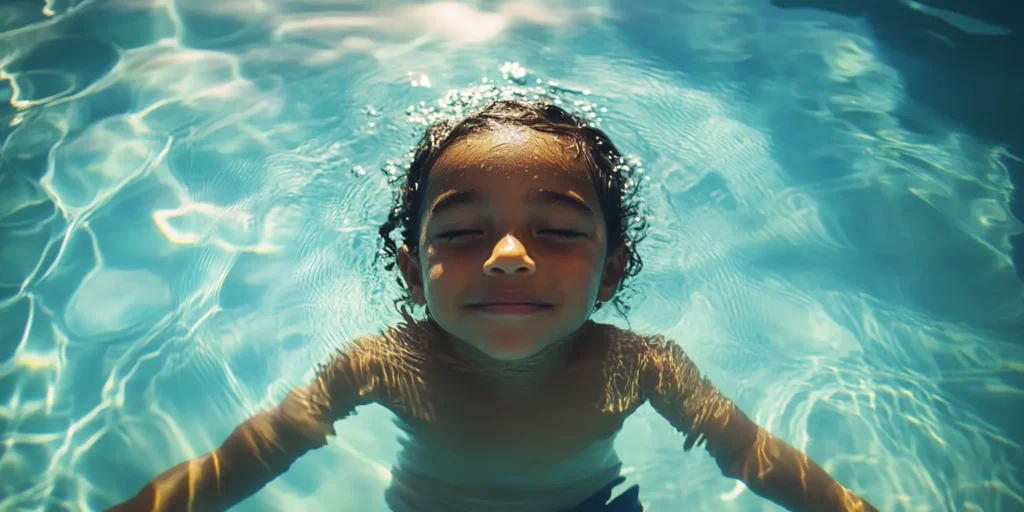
[509, 257]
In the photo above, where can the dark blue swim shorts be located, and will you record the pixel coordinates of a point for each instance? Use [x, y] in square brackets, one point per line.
[602, 501]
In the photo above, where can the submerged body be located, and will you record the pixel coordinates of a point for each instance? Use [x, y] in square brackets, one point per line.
[517, 224]
[475, 442]
[507, 441]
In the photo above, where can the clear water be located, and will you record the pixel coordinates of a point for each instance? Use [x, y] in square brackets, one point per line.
[191, 190]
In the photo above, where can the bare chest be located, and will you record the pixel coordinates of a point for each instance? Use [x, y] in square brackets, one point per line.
[562, 426]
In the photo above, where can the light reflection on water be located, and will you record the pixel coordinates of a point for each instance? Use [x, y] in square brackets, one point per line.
[189, 209]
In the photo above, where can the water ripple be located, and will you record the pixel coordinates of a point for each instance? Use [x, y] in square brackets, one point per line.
[190, 204]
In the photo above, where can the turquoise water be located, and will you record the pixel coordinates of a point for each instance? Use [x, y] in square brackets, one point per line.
[191, 191]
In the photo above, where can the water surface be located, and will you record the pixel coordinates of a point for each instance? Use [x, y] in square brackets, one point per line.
[191, 192]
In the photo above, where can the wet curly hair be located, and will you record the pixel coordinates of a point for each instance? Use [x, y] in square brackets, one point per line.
[613, 178]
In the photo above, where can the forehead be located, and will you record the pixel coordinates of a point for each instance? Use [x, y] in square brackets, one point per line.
[512, 159]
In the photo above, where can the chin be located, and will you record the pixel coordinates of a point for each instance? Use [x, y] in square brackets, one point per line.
[510, 349]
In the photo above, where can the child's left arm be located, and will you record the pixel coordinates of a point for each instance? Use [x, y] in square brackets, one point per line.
[742, 449]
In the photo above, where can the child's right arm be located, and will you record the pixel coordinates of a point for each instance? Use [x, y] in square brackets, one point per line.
[265, 445]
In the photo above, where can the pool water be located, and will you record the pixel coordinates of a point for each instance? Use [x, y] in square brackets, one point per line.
[190, 193]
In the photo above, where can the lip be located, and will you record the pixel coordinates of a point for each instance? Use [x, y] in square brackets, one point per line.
[510, 305]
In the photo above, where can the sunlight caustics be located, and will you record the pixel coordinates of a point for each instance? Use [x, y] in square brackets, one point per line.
[189, 213]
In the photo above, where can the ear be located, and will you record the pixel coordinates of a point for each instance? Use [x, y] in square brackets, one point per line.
[412, 274]
[614, 268]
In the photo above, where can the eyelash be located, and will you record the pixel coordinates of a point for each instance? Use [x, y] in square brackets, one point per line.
[562, 233]
[565, 233]
[455, 233]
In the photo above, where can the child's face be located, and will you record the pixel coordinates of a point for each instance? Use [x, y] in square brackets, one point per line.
[513, 248]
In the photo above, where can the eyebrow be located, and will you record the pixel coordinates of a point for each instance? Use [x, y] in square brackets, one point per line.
[457, 198]
[558, 198]
[453, 199]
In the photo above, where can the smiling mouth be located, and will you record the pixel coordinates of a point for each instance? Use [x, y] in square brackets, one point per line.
[511, 308]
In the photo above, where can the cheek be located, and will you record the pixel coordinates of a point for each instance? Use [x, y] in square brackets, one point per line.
[435, 268]
[580, 274]
[582, 264]
[444, 272]
[435, 271]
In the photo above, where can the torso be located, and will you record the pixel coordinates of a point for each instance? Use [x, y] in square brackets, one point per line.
[470, 439]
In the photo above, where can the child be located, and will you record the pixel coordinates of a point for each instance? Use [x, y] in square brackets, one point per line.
[517, 223]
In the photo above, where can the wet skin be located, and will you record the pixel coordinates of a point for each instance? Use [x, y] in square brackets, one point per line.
[508, 393]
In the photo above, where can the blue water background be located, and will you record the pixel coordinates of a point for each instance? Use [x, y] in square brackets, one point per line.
[190, 191]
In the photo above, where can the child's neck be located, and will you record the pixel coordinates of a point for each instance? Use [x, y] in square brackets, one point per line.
[521, 374]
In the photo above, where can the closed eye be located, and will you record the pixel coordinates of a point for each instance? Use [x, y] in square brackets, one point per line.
[563, 233]
[456, 234]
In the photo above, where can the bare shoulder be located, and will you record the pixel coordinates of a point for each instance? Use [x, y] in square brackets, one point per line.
[385, 368]
[624, 343]
[653, 362]
[394, 345]
[629, 363]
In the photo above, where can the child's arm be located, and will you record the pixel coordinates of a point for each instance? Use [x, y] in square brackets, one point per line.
[264, 446]
[742, 449]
